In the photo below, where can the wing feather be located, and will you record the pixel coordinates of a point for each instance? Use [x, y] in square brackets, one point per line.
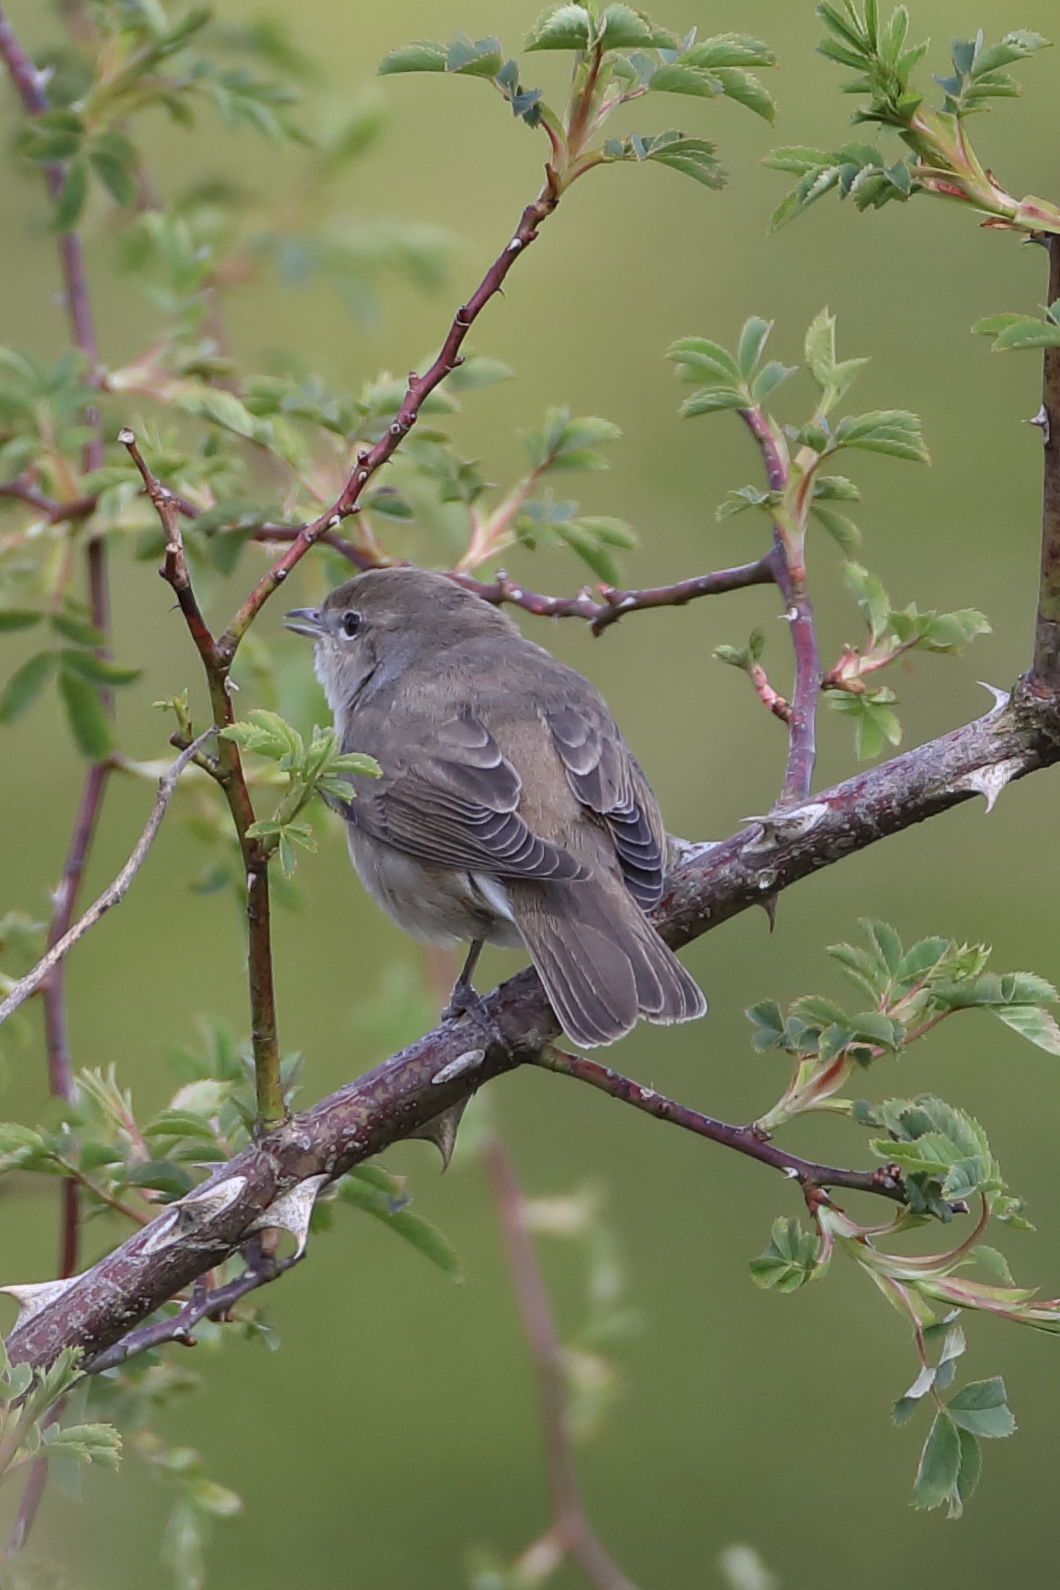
[604, 776]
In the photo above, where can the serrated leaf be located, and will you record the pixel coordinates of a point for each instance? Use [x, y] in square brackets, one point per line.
[676, 77]
[1027, 334]
[730, 49]
[622, 28]
[940, 1464]
[1033, 1023]
[698, 359]
[692, 157]
[893, 431]
[752, 340]
[746, 90]
[981, 1409]
[769, 377]
[561, 27]
[474, 58]
[423, 56]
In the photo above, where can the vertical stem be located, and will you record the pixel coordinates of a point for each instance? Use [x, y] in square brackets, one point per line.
[1045, 671]
[790, 574]
[570, 1523]
[263, 1027]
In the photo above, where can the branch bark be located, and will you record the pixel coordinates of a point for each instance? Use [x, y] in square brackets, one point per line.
[1045, 671]
[709, 884]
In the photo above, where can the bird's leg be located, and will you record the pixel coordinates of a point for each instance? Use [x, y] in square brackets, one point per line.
[466, 1001]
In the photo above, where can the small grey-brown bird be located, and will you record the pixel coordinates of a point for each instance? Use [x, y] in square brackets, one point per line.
[510, 809]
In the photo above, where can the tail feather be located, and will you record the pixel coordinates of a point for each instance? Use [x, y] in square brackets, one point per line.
[601, 961]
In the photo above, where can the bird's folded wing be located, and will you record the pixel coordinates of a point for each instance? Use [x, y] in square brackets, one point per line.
[604, 776]
[455, 805]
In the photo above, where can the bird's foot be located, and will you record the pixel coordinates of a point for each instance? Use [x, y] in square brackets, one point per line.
[467, 1001]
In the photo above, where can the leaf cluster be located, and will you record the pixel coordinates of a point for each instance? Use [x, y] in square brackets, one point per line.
[317, 769]
[30, 1427]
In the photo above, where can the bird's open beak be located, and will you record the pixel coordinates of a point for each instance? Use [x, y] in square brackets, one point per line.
[305, 621]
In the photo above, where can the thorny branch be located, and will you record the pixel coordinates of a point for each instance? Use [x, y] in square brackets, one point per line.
[400, 1097]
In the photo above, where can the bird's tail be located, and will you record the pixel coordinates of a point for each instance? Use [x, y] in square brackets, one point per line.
[601, 960]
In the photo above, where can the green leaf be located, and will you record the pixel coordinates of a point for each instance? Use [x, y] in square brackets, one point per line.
[697, 359]
[100, 670]
[981, 1409]
[729, 49]
[115, 160]
[770, 376]
[88, 722]
[78, 630]
[992, 324]
[1028, 334]
[424, 1237]
[753, 337]
[872, 599]
[746, 90]
[768, 1020]
[790, 1259]
[940, 1464]
[622, 28]
[971, 1468]
[25, 685]
[562, 27]
[71, 198]
[893, 431]
[423, 56]
[13, 618]
[693, 157]
[678, 78]
[1033, 1023]
[474, 58]
[843, 530]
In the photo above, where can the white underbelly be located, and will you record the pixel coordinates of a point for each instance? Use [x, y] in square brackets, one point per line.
[439, 905]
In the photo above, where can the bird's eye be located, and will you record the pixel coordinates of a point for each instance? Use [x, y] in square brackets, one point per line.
[351, 624]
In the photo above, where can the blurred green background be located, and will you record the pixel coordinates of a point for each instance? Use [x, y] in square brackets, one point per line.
[396, 1429]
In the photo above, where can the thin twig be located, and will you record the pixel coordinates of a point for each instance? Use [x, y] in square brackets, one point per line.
[570, 1525]
[743, 1139]
[419, 388]
[209, 1304]
[612, 603]
[232, 779]
[112, 894]
[790, 575]
[175, 568]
